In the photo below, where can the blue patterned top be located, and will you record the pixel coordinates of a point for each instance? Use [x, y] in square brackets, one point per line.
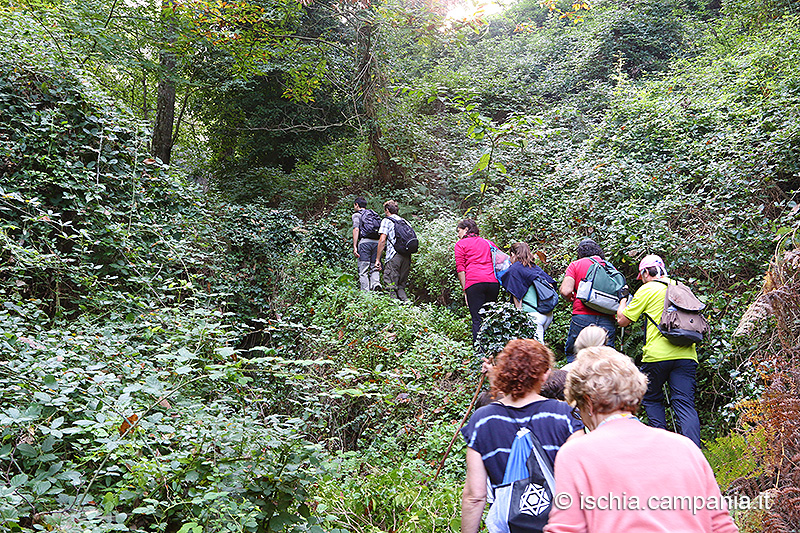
[491, 430]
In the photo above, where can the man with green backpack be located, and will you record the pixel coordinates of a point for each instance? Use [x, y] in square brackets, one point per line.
[594, 287]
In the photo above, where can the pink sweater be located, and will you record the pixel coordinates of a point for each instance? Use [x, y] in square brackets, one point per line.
[631, 478]
[474, 259]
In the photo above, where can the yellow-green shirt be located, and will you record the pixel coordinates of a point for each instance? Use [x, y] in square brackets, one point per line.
[650, 299]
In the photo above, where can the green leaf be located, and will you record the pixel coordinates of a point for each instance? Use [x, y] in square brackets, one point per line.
[191, 527]
[27, 450]
[483, 162]
[350, 392]
[225, 352]
[41, 487]
[19, 480]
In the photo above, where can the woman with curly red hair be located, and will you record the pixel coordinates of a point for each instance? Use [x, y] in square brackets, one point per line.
[520, 370]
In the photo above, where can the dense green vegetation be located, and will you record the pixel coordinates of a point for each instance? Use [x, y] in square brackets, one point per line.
[183, 347]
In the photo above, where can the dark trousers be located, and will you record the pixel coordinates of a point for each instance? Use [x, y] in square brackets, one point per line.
[680, 374]
[579, 322]
[477, 295]
[395, 276]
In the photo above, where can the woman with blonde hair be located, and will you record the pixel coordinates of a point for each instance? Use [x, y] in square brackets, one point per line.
[520, 370]
[624, 475]
[590, 336]
[518, 279]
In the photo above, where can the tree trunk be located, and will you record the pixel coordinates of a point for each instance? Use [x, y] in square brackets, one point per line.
[165, 113]
[386, 169]
[161, 145]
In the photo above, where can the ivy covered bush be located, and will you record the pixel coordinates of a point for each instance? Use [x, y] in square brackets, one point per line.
[83, 209]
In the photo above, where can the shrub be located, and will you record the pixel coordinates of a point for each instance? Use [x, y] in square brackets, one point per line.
[503, 322]
[83, 207]
[143, 424]
[394, 499]
[434, 267]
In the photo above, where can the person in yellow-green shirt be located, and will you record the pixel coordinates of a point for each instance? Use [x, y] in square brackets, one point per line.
[662, 361]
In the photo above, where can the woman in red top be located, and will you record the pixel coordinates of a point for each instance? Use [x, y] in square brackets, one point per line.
[475, 270]
[583, 316]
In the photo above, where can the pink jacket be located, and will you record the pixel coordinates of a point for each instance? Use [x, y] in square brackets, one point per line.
[625, 476]
[474, 259]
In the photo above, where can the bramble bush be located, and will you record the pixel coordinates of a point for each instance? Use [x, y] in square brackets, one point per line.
[143, 424]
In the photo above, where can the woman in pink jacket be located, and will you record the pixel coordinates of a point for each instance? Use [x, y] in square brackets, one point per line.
[624, 475]
[475, 270]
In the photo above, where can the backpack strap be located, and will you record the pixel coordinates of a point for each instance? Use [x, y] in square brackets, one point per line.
[395, 222]
[658, 328]
[545, 463]
[529, 428]
[601, 263]
[666, 306]
[666, 294]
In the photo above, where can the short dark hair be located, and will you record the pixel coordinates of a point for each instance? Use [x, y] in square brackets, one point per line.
[361, 202]
[653, 271]
[391, 206]
[553, 387]
[588, 248]
[470, 225]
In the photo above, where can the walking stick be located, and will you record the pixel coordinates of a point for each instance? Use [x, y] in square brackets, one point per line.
[460, 425]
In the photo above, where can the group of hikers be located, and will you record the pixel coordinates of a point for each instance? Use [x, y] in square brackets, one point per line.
[371, 236]
[591, 448]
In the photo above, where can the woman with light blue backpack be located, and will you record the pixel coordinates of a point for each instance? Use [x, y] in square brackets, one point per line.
[532, 290]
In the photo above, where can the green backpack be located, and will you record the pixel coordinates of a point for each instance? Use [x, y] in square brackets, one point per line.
[601, 289]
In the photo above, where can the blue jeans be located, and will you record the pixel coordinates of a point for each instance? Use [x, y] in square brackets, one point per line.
[579, 322]
[680, 374]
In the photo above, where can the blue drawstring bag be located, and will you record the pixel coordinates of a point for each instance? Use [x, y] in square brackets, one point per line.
[523, 501]
[541, 297]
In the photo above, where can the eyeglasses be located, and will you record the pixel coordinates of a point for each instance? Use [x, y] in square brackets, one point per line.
[576, 414]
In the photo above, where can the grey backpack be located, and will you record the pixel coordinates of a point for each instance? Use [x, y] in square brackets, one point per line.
[682, 322]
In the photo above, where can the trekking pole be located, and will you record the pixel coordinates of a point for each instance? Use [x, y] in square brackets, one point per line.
[668, 405]
[460, 425]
